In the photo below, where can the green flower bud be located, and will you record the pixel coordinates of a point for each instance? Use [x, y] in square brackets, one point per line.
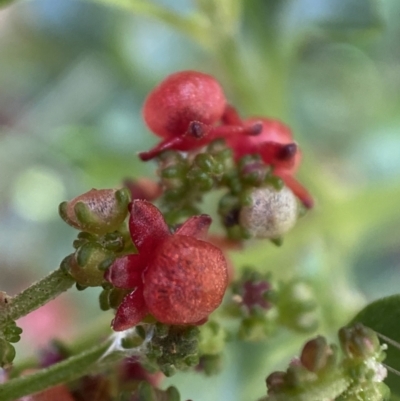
[88, 263]
[7, 353]
[173, 394]
[297, 306]
[212, 338]
[12, 333]
[255, 328]
[317, 355]
[97, 211]
[359, 341]
[173, 348]
[272, 213]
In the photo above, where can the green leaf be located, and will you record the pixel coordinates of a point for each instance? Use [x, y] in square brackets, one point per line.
[383, 316]
[4, 3]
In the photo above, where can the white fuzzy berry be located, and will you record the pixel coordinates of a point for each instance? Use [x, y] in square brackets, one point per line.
[272, 212]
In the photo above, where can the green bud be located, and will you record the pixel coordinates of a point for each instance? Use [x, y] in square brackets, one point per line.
[246, 198]
[168, 369]
[205, 162]
[12, 333]
[255, 328]
[170, 157]
[104, 300]
[200, 180]
[190, 333]
[316, 354]
[7, 353]
[359, 341]
[146, 392]
[106, 263]
[227, 203]
[115, 297]
[141, 332]
[297, 306]
[154, 352]
[114, 242]
[212, 338]
[97, 211]
[86, 264]
[276, 182]
[176, 171]
[191, 360]
[162, 330]
[173, 394]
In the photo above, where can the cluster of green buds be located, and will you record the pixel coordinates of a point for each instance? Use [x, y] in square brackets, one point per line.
[212, 341]
[262, 306]
[256, 203]
[100, 215]
[185, 179]
[172, 348]
[9, 332]
[322, 373]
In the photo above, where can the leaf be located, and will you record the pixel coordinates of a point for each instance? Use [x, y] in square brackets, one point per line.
[4, 3]
[383, 316]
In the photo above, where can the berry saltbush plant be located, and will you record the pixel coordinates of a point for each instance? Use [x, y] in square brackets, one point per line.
[176, 297]
[163, 259]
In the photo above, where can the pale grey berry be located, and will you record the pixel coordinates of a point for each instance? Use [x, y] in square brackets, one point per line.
[271, 213]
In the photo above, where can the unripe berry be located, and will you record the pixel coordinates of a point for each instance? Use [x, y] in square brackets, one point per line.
[180, 99]
[97, 211]
[271, 214]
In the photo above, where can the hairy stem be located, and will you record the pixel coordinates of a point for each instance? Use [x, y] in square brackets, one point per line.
[36, 295]
[63, 372]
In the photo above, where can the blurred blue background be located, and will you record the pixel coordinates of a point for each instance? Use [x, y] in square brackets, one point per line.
[73, 77]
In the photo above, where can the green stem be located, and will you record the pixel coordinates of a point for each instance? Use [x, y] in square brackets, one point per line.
[36, 295]
[195, 26]
[63, 372]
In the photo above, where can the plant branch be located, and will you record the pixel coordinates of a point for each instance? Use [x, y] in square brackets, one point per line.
[63, 372]
[195, 26]
[36, 295]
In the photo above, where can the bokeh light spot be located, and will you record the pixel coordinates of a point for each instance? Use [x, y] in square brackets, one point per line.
[37, 192]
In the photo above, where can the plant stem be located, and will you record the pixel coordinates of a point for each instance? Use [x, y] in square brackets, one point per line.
[195, 26]
[36, 295]
[63, 372]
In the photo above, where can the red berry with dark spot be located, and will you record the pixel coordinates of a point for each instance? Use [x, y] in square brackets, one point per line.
[180, 99]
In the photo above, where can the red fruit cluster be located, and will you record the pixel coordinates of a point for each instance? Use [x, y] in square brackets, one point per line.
[189, 110]
[178, 278]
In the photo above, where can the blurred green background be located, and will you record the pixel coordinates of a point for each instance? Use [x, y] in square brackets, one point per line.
[73, 77]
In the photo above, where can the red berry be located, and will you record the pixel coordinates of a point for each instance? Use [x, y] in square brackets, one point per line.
[180, 99]
[180, 279]
[268, 144]
[185, 281]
